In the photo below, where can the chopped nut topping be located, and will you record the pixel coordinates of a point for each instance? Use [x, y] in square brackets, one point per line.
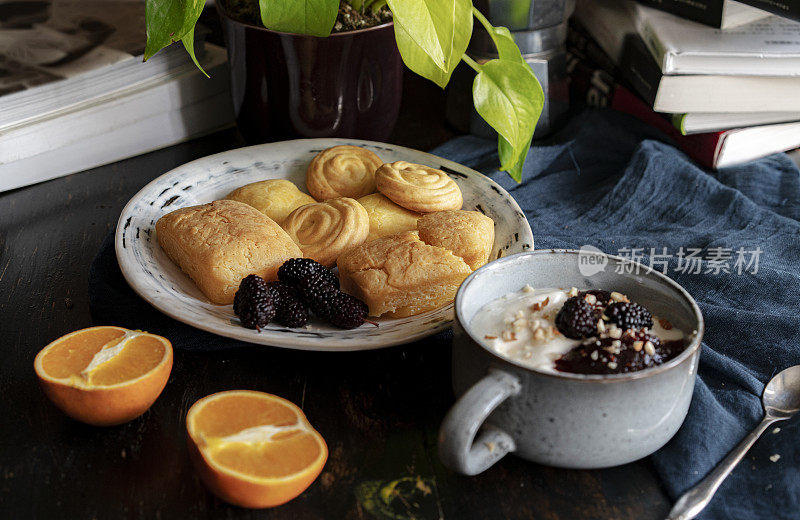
[590, 299]
[540, 305]
[594, 355]
[573, 292]
[665, 324]
[490, 337]
[614, 332]
[509, 336]
[601, 326]
[637, 345]
[520, 314]
[520, 324]
[527, 288]
[538, 334]
[612, 365]
[618, 297]
[616, 343]
[649, 349]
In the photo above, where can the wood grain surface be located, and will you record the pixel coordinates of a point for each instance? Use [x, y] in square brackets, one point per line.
[379, 411]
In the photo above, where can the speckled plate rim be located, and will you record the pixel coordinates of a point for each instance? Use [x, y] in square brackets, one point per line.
[395, 331]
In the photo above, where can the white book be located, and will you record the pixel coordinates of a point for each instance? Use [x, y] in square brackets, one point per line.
[679, 94]
[704, 93]
[768, 47]
[140, 119]
[703, 122]
[747, 144]
[735, 14]
[63, 95]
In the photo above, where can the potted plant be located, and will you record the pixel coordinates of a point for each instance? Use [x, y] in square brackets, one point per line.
[431, 37]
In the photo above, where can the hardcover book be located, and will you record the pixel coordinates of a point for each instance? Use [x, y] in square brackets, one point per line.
[722, 14]
[768, 47]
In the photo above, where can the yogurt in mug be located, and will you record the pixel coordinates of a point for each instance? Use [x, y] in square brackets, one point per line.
[522, 327]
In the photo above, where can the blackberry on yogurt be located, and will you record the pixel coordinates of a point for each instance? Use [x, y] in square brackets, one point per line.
[587, 332]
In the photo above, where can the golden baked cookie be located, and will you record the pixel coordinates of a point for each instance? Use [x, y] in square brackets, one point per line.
[400, 275]
[468, 234]
[417, 187]
[386, 217]
[275, 198]
[342, 171]
[220, 243]
[324, 230]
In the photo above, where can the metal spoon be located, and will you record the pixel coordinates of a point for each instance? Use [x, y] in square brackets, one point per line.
[781, 401]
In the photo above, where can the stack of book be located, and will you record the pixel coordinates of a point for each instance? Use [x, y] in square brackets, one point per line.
[726, 95]
[74, 93]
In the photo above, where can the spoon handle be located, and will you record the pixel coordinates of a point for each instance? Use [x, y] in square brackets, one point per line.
[696, 499]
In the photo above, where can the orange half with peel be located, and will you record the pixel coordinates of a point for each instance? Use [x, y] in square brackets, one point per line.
[104, 375]
[254, 449]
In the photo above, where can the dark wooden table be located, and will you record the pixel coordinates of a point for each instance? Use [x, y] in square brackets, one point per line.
[379, 411]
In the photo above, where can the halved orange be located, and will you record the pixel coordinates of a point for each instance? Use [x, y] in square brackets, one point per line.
[253, 449]
[104, 375]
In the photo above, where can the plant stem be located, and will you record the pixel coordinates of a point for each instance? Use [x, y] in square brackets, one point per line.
[482, 19]
[472, 63]
[376, 5]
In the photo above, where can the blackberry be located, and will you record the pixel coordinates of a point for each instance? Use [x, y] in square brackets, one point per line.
[609, 356]
[577, 318]
[347, 312]
[281, 293]
[629, 315]
[256, 312]
[292, 314]
[250, 286]
[290, 311]
[318, 295]
[294, 270]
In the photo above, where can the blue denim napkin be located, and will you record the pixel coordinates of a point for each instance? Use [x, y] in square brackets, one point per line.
[731, 238]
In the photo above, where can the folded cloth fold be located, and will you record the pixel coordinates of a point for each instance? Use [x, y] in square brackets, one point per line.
[731, 238]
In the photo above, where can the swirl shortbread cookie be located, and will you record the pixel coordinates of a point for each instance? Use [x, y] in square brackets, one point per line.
[386, 217]
[417, 187]
[324, 230]
[342, 171]
[220, 243]
[275, 198]
[400, 275]
[468, 234]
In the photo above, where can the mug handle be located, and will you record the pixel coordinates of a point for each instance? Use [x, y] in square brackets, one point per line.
[459, 450]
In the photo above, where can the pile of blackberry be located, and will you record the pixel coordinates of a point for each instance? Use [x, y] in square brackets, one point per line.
[631, 349]
[303, 286]
[577, 318]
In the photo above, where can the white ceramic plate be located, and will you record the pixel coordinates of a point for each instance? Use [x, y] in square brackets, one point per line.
[155, 278]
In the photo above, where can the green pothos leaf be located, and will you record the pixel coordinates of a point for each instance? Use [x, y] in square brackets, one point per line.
[170, 21]
[188, 44]
[508, 161]
[432, 35]
[312, 17]
[508, 97]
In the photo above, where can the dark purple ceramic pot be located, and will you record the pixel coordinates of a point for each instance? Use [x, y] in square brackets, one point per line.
[289, 85]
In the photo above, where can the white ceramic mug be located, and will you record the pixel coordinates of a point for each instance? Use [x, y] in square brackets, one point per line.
[556, 418]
